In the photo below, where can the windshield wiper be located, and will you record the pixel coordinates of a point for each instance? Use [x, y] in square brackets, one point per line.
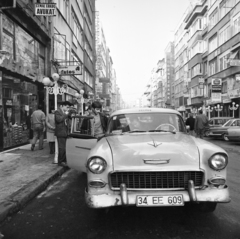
[160, 130]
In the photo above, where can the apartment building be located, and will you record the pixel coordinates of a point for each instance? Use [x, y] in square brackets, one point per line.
[210, 58]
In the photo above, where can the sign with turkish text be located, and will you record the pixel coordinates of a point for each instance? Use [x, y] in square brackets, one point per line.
[234, 93]
[234, 62]
[217, 85]
[216, 97]
[45, 9]
[70, 70]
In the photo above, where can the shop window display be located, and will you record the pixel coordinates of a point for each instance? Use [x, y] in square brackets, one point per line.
[18, 105]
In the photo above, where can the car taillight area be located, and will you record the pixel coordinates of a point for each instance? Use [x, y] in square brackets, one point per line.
[156, 180]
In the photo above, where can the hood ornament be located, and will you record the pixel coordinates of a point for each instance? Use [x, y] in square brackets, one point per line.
[155, 144]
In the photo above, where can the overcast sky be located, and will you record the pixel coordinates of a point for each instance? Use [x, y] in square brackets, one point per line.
[137, 32]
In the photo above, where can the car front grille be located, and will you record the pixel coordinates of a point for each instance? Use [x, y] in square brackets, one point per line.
[155, 180]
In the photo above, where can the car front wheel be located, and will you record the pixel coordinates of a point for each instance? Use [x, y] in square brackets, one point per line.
[207, 206]
[225, 137]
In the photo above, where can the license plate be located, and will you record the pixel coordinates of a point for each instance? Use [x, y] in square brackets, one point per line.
[146, 201]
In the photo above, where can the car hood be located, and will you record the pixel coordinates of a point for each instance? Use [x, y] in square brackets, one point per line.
[154, 151]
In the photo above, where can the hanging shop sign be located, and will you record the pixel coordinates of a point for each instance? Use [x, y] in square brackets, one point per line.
[216, 90]
[234, 62]
[237, 77]
[226, 98]
[216, 85]
[104, 80]
[70, 70]
[45, 9]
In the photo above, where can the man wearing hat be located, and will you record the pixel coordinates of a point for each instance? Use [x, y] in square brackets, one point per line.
[61, 130]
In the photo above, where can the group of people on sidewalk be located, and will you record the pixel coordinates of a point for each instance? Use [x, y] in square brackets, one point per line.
[57, 124]
[198, 125]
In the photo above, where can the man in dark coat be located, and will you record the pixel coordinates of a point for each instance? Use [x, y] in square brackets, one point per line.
[61, 130]
[100, 120]
[191, 123]
[201, 122]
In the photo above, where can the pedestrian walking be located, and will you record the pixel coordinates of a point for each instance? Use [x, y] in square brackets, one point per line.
[50, 123]
[201, 123]
[191, 123]
[99, 121]
[38, 119]
[61, 130]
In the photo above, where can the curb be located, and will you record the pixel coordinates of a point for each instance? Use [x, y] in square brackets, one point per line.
[19, 199]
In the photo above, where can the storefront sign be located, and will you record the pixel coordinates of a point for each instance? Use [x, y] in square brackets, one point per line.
[216, 97]
[226, 98]
[234, 93]
[237, 77]
[234, 62]
[70, 70]
[19, 67]
[45, 9]
[104, 80]
[9, 102]
[216, 85]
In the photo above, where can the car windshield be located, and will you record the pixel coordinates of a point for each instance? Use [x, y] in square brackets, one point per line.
[149, 122]
[228, 123]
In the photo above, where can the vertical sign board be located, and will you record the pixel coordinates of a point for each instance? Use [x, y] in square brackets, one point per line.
[216, 90]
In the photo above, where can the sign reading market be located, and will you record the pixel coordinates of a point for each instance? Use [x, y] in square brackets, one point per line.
[45, 9]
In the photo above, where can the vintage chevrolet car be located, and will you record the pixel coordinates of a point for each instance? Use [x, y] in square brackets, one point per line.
[146, 158]
[222, 131]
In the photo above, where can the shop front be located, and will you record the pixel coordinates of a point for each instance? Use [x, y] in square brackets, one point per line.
[19, 99]
[22, 66]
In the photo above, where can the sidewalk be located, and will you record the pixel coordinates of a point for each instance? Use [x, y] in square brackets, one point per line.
[23, 175]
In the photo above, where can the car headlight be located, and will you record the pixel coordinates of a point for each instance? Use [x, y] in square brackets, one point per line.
[218, 161]
[96, 165]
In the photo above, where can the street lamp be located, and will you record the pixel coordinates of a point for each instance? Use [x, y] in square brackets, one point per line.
[218, 108]
[80, 99]
[53, 89]
[209, 110]
[233, 108]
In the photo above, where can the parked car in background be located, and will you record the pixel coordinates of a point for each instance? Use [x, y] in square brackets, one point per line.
[222, 131]
[216, 122]
[233, 134]
[146, 158]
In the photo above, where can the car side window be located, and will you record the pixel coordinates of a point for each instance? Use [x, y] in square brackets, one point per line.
[82, 126]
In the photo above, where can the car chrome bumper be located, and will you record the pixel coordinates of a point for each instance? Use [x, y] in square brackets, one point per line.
[124, 197]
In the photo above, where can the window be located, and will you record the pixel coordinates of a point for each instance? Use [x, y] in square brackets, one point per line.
[213, 43]
[212, 67]
[196, 70]
[224, 34]
[236, 24]
[224, 61]
[213, 18]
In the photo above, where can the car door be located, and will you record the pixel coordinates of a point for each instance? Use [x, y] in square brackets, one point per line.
[80, 142]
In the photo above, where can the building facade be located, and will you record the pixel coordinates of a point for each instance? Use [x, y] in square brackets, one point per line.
[36, 46]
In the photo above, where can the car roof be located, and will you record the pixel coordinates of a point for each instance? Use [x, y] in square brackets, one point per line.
[144, 110]
[222, 118]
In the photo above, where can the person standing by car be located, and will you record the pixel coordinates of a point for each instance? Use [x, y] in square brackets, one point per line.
[99, 121]
[201, 122]
[61, 130]
[191, 123]
[38, 126]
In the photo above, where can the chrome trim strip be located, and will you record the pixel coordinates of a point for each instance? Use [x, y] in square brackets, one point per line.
[156, 161]
[82, 147]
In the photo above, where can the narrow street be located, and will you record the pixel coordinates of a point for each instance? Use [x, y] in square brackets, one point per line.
[60, 212]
